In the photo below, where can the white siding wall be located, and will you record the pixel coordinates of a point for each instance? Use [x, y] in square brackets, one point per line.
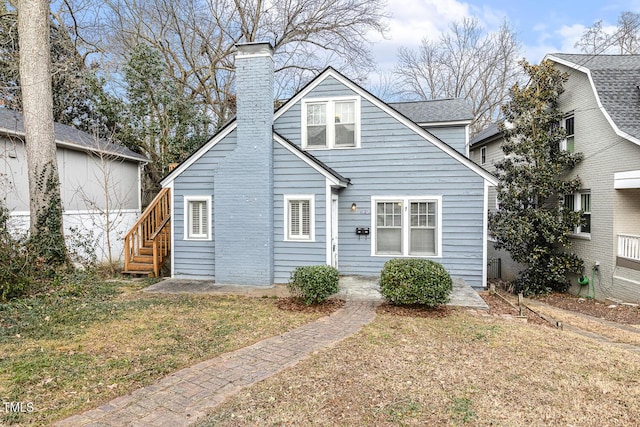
[82, 179]
[90, 227]
[84, 193]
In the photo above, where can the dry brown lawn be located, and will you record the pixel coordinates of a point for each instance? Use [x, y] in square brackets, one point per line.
[453, 370]
[613, 333]
[79, 346]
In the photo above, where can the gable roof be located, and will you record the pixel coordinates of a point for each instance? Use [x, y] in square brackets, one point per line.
[436, 110]
[614, 80]
[331, 72]
[12, 123]
[335, 177]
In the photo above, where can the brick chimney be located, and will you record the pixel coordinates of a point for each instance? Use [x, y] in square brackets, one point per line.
[243, 183]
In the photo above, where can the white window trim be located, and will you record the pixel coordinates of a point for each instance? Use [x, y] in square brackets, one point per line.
[312, 217]
[564, 142]
[577, 206]
[483, 155]
[330, 113]
[187, 220]
[405, 224]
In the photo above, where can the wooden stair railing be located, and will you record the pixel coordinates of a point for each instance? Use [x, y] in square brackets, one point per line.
[147, 244]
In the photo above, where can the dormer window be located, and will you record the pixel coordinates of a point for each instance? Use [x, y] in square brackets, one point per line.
[331, 123]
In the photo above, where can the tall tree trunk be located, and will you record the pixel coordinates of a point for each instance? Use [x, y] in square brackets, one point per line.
[35, 80]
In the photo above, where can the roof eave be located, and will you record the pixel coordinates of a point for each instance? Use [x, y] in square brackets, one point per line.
[334, 177]
[80, 147]
[463, 122]
[606, 114]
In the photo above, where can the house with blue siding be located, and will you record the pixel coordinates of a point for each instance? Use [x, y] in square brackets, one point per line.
[334, 176]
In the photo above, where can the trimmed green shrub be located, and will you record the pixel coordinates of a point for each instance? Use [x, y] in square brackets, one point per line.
[313, 284]
[415, 281]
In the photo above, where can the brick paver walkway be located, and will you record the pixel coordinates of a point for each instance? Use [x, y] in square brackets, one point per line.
[185, 396]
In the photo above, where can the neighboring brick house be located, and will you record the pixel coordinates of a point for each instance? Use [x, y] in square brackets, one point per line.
[335, 176]
[602, 106]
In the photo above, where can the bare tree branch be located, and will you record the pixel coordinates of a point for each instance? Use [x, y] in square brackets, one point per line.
[197, 39]
[466, 63]
[624, 40]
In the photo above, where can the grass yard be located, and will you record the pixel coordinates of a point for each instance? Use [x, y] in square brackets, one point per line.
[612, 333]
[84, 344]
[455, 370]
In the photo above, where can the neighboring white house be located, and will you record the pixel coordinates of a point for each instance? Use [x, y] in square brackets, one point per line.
[99, 181]
[601, 103]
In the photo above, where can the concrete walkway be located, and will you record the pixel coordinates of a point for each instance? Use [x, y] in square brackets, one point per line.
[186, 396]
[360, 288]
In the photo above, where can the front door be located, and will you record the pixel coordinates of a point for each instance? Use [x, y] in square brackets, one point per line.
[334, 230]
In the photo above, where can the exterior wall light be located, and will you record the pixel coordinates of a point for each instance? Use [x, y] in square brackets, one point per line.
[354, 207]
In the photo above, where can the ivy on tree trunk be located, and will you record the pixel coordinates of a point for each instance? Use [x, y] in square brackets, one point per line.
[46, 231]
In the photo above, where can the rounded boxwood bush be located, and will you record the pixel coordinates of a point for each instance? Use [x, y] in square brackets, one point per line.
[415, 281]
[313, 284]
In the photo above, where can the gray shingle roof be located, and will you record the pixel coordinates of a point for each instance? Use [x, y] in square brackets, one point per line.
[485, 134]
[616, 78]
[12, 123]
[434, 111]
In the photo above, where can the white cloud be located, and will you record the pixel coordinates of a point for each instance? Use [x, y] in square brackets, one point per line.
[562, 39]
[490, 18]
[569, 35]
[413, 20]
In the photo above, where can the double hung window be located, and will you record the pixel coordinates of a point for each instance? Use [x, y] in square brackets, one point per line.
[567, 144]
[580, 201]
[407, 226]
[331, 123]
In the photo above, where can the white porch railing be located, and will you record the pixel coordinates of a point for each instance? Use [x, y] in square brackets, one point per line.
[629, 246]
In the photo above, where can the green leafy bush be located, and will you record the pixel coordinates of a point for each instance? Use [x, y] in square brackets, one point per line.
[415, 281]
[313, 284]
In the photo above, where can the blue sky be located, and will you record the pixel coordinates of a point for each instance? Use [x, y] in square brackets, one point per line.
[543, 26]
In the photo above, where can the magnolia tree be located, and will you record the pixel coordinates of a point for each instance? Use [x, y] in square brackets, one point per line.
[532, 223]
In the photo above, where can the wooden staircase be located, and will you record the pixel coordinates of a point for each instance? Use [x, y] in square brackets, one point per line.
[148, 243]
